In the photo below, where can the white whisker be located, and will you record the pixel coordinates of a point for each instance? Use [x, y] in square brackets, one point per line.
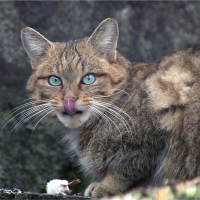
[29, 112]
[24, 101]
[117, 115]
[118, 109]
[26, 119]
[124, 92]
[26, 110]
[24, 105]
[100, 96]
[98, 112]
[96, 107]
[41, 120]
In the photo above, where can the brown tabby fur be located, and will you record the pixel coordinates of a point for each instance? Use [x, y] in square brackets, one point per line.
[161, 98]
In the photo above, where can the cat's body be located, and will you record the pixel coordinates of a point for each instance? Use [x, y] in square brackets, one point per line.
[125, 121]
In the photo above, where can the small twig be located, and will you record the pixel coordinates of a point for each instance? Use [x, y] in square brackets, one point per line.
[76, 181]
[78, 194]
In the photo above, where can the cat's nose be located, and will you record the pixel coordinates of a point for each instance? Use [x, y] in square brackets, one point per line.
[69, 105]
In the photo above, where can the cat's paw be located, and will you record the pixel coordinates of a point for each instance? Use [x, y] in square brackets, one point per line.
[96, 190]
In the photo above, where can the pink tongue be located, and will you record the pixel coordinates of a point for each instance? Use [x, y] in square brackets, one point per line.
[69, 106]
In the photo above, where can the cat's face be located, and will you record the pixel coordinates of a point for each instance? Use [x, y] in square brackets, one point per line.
[71, 80]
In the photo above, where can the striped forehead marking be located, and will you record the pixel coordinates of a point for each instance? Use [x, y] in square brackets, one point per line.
[71, 58]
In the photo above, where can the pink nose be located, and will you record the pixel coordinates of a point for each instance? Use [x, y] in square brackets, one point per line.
[69, 106]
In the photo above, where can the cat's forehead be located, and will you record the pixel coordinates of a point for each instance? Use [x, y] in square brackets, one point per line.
[72, 58]
[71, 51]
[77, 56]
[64, 50]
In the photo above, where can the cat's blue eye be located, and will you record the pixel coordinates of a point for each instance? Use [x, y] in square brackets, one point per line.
[55, 81]
[88, 79]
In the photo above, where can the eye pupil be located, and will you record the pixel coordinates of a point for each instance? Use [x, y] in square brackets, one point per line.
[88, 79]
[54, 81]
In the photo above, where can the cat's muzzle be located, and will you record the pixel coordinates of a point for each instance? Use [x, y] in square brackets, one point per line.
[69, 107]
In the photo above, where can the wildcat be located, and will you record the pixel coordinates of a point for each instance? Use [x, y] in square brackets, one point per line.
[125, 121]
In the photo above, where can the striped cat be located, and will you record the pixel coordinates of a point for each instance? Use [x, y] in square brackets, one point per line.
[125, 121]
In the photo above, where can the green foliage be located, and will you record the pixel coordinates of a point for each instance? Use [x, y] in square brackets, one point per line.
[3, 87]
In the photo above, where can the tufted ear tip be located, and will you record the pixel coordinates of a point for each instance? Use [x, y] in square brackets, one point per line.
[112, 17]
[23, 26]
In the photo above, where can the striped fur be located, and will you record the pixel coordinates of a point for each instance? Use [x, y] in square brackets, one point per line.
[137, 120]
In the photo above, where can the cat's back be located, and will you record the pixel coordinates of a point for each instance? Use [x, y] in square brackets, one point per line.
[171, 86]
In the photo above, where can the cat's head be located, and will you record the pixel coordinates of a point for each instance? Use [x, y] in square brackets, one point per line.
[69, 79]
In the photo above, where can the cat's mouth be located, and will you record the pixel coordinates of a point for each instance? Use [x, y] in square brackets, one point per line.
[71, 116]
[73, 120]
[78, 112]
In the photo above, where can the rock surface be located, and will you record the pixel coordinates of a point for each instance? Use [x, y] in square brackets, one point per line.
[186, 190]
[148, 31]
[13, 194]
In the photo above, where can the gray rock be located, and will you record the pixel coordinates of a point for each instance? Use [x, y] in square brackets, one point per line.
[148, 31]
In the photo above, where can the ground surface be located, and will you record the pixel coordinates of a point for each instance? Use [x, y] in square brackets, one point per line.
[13, 194]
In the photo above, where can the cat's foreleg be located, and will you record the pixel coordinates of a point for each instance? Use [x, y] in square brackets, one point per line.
[111, 185]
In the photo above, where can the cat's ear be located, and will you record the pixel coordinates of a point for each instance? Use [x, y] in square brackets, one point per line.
[104, 38]
[36, 45]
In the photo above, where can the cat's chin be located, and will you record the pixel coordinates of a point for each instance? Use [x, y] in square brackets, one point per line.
[75, 120]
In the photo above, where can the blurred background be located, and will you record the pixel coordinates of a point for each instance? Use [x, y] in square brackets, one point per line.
[148, 31]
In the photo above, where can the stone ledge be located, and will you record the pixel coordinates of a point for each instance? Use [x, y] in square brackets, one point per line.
[9, 194]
